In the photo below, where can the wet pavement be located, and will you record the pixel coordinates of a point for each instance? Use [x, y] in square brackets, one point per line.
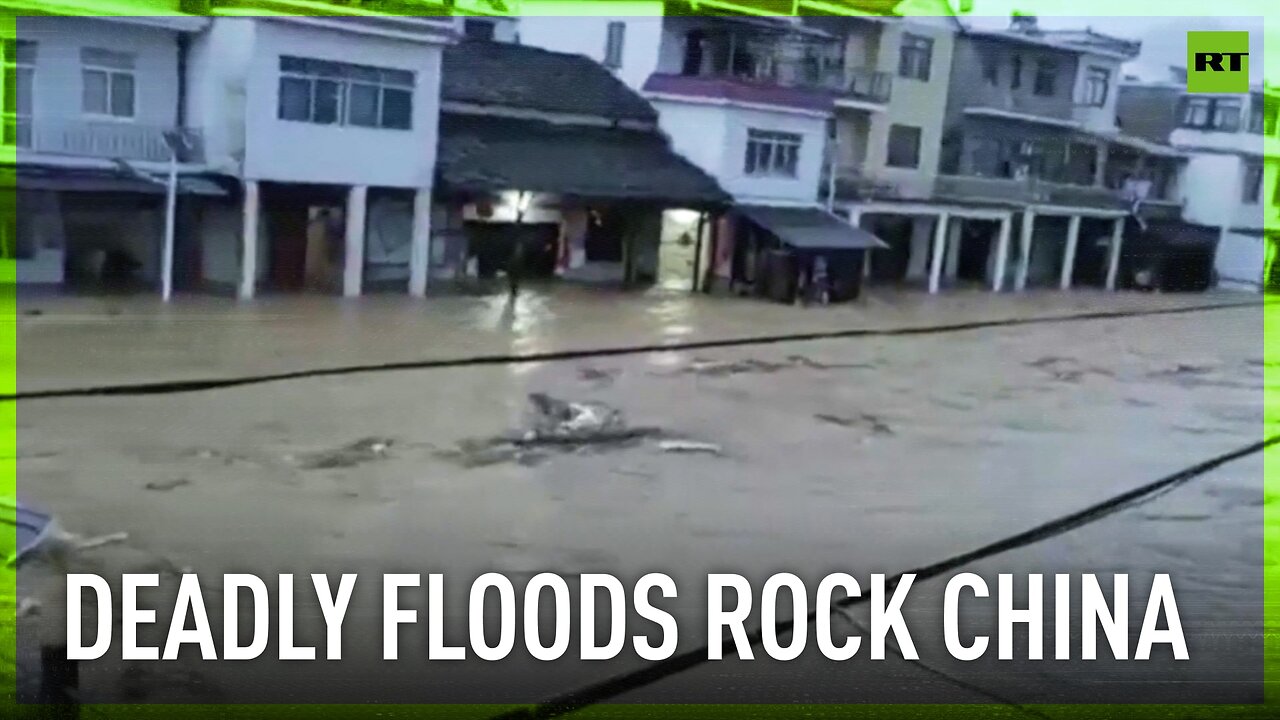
[859, 455]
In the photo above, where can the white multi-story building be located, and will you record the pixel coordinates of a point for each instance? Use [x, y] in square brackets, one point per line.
[331, 123]
[1230, 180]
[311, 138]
[89, 103]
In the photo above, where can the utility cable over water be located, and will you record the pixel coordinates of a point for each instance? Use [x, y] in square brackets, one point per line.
[613, 687]
[185, 386]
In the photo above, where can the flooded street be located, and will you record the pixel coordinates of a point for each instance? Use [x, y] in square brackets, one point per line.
[860, 455]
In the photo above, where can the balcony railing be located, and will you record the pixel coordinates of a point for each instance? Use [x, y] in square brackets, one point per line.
[867, 85]
[97, 139]
[854, 183]
[1037, 191]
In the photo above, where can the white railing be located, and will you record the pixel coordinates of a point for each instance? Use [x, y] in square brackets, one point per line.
[99, 139]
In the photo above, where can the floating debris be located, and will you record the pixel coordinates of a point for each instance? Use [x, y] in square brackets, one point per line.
[357, 453]
[28, 606]
[689, 446]
[596, 375]
[812, 364]
[872, 422]
[99, 541]
[556, 425]
[711, 368]
[1065, 369]
[166, 485]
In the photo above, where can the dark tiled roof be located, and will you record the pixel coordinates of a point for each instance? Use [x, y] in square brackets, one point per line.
[528, 78]
[490, 154]
[810, 228]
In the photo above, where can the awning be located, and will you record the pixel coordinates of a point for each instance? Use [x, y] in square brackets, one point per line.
[810, 228]
[61, 179]
[491, 154]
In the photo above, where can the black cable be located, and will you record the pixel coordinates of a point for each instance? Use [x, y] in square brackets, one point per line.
[169, 387]
[627, 682]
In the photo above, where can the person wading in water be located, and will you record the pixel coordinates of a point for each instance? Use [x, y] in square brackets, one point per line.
[515, 268]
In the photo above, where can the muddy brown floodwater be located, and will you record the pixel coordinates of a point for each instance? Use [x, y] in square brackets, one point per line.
[865, 455]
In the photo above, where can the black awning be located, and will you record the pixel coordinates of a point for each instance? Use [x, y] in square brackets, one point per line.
[491, 154]
[806, 228]
[62, 179]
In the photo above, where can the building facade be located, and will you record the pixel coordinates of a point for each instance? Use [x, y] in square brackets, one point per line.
[89, 102]
[293, 167]
[1233, 145]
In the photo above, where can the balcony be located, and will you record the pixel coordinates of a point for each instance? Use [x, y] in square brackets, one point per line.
[1029, 190]
[854, 183]
[865, 85]
[104, 139]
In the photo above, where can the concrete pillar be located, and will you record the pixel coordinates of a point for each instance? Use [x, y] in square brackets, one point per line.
[921, 239]
[855, 219]
[1024, 243]
[249, 241]
[939, 251]
[952, 266]
[1002, 254]
[1069, 253]
[353, 265]
[1113, 253]
[420, 244]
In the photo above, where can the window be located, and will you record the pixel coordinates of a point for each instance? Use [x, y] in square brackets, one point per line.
[1097, 85]
[1082, 163]
[1196, 112]
[1046, 78]
[1252, 194]
[1211, 113]
[991, 67]
[915, 56]
[108, 86]
[1257, 113]
[774, 154]
[904, 146]
[1270, 116]
[475, 29]
[331, 93]
[18, 91]
[613, 45]
[1015, 79]
[1226, 114]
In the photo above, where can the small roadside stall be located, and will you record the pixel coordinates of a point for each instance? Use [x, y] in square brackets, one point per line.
[798, 253]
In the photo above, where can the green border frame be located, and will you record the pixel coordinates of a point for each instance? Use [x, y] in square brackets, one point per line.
[1064, 8]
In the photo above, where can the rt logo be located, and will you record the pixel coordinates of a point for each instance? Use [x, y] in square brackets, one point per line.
[1218, 62]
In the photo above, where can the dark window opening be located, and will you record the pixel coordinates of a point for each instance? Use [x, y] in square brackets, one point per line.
[1046, 78]
[904, 146]
[475, 29]
[915, 56]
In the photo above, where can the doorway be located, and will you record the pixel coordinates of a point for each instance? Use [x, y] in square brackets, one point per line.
[306, 229]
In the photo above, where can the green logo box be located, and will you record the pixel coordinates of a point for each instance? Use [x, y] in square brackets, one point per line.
[1218, 62]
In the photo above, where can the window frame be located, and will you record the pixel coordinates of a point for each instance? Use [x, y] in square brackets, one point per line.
[1257, 115]
[15, 66]
[1254, 179]
[764, 154]
[472, 22]
[111, 73]
[1212, 113]
[991, 67]
[915, 57]
[1270, 117]
[347, 79]
[916, 148]
[1015, 71]
[1092, 73]
[1045, 82]
[615, 38]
